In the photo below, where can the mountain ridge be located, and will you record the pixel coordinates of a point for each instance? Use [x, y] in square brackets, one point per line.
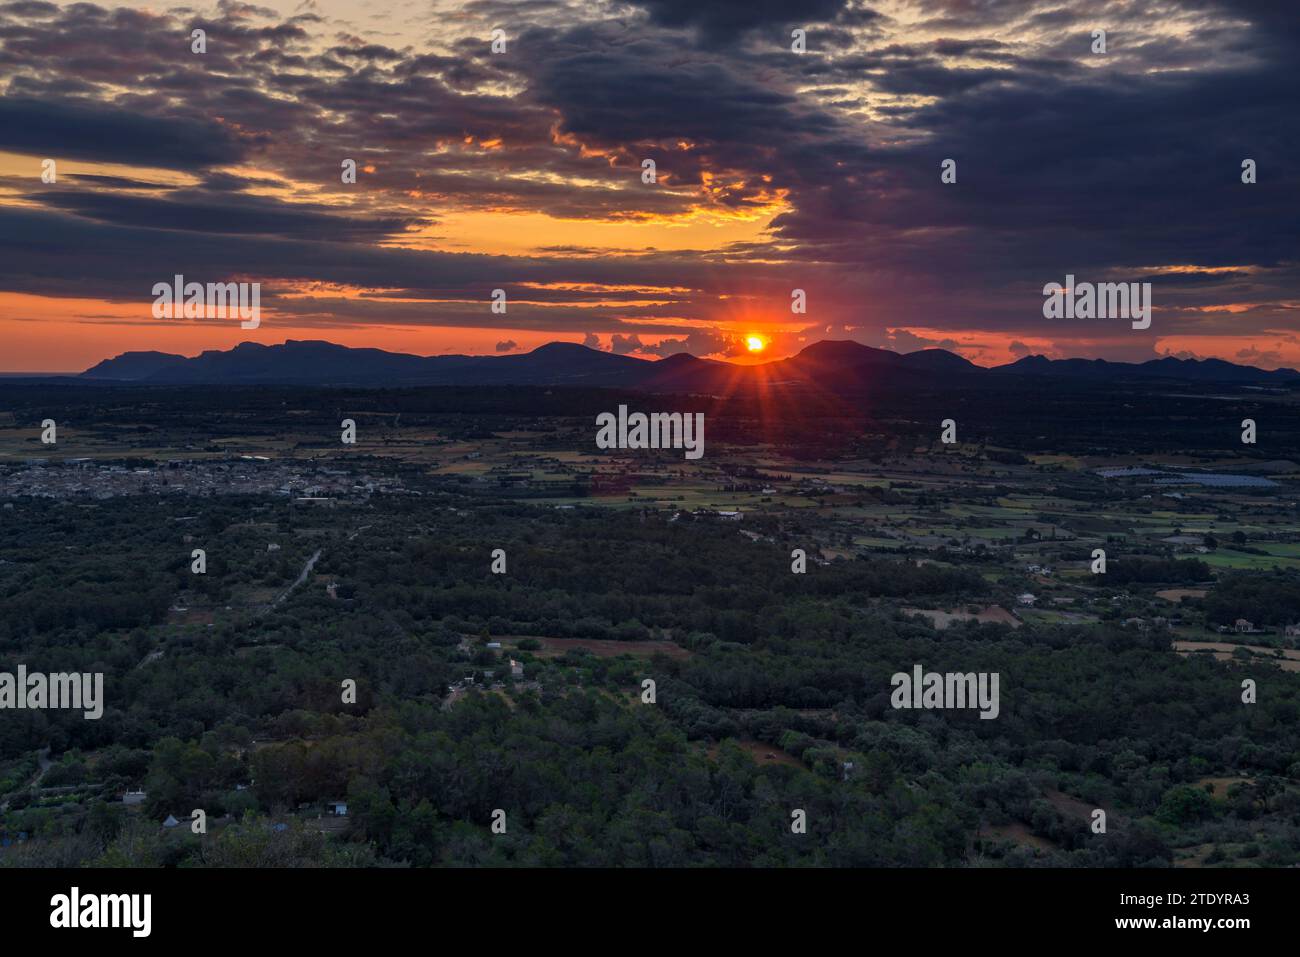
[828, 363]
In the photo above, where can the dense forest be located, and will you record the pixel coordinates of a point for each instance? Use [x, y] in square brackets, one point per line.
[1268, 598]
[239, 712]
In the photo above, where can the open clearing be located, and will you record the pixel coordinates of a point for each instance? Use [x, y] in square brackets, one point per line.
[991, 614]
[1016, 833]
[761, 752]
[1218, 787]
[1289, 659]
[601, 647]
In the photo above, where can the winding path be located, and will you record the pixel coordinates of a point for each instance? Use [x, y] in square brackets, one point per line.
[302, 577]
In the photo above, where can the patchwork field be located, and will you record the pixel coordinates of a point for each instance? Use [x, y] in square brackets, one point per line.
[601, 648]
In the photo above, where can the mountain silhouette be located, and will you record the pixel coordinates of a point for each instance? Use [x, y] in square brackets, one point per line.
[833, 365]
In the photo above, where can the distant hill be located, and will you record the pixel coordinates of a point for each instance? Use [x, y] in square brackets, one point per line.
[830, 365]
[133, 365]
[1196, 370]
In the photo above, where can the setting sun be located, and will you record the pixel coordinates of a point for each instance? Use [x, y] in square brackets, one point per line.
[755, 343]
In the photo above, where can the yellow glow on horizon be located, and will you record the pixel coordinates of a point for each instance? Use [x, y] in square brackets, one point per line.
[26, 169]
[501, 233]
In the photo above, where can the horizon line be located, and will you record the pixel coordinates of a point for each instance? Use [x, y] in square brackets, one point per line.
[630, 355]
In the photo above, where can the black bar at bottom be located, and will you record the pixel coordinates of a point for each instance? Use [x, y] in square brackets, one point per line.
[333, 907]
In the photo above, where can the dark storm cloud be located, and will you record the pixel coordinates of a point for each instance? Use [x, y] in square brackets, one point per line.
[29, 8]
[215, 213]
[370, 51]
[722, 21]
[954, 14]
[1068, 168]
[622, 88]
[116, 182]
[641, 97]
[57, 254]
[96, 132]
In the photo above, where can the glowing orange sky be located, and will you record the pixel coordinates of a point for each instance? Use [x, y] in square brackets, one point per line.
[526, 171]
[47, 341]
[42, 334]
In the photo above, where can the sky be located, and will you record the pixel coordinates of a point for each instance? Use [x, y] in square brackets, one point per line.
[523, 169]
